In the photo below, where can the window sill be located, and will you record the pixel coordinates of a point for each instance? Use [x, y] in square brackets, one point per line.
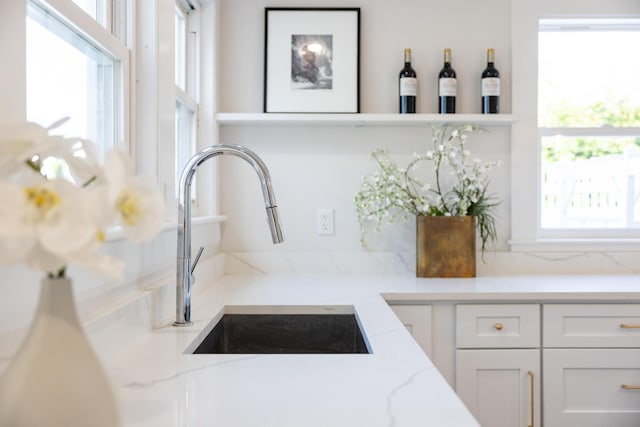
[576, 245]
[117, 233]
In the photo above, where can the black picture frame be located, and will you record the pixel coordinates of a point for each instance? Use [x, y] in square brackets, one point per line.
[312, 60]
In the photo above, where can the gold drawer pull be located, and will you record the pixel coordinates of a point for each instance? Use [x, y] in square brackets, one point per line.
[630, 387]
[498, 326]
[627, 326]
[532, 397]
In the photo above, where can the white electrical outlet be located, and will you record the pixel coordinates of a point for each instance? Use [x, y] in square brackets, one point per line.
[325, 222]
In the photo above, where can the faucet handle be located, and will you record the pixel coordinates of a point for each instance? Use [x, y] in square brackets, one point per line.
[195, 261]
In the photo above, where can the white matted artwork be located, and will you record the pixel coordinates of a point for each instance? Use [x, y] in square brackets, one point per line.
[312, 60]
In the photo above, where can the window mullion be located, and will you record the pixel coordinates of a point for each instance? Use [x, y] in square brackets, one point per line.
[589, 131]
[185, 99]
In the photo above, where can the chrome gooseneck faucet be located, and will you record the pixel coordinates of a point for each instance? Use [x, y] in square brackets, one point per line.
[184, 270]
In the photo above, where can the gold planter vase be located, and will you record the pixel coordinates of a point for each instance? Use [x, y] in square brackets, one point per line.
[445, 246]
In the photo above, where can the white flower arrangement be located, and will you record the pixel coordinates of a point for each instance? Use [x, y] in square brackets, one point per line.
[443, 180]
[57, 201]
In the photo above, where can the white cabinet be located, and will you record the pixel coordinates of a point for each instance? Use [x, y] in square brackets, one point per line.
[417, 320]
[591, 365]
[500, 387]
[498, 363]
[433, 328]
[592, 325]
[523, 365]
[591, 387]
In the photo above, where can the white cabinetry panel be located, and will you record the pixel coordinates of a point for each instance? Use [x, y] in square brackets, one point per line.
[591, 325]
[417, 320]
[498, 325]
[591, 387]
[496, 386]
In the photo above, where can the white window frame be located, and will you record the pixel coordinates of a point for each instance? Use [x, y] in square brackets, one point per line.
[525, 152]
[156, 96]
[181, 37]
[112, 44]
[187, 89]
[582, 24]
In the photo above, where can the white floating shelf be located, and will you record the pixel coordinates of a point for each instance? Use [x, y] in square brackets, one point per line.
[364, 119]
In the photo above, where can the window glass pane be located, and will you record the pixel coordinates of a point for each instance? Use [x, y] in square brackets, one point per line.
[185, 140]
[97, 9]
[588, 78]
[590, 182]
[180, 49]
[69, 77]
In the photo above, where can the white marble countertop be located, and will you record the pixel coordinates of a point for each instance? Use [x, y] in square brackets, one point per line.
[397, 385]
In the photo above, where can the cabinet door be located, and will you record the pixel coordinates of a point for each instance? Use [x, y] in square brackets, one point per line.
[591, 387]
[501, 388]
[417, 320]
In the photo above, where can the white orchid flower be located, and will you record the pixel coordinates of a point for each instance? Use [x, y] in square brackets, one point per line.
[31, 144]
[58, 215]
[18, 144]
[79, 156]
[43, 224]
[137, 204]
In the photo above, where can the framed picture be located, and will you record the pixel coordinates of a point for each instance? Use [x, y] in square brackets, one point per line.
[312, 60]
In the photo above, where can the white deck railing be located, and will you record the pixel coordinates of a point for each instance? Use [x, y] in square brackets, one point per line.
[601, 192]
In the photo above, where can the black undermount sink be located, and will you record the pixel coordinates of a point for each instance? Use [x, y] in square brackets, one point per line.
[284, 333]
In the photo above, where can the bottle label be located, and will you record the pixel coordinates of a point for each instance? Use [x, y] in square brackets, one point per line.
[491, 86]
[408, 86]
[447, 87]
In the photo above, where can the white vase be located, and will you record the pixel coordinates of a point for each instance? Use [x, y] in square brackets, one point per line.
[55, 379]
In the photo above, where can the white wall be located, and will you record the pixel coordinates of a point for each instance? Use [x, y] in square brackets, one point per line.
[321, 166]
[427, 27]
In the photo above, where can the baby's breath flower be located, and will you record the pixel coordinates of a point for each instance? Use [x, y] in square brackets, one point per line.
[443, 181]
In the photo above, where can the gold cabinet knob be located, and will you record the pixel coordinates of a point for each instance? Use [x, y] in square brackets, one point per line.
[498, 326]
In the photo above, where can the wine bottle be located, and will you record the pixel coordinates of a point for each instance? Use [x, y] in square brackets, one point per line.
[490, 86]
[447, 86]
[408, 86]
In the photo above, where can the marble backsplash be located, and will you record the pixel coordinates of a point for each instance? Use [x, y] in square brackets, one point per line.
[402, 263]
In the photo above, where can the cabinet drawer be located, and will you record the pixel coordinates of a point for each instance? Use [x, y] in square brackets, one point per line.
[591, 325]
[497, 326]
[591, 387]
